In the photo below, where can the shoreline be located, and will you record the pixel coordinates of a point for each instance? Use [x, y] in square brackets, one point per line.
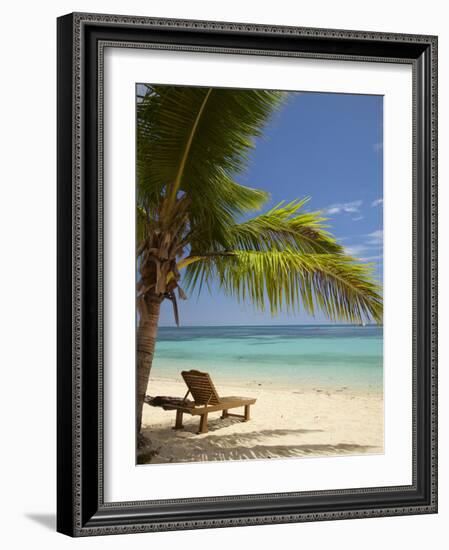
[296, 421]
[262, 383]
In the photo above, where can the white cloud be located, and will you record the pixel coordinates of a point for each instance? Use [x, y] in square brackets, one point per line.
[378, 147]
[357, 218]
[371, 258]
[377, 202]
[348, 207]
[376, 237]
[355, 250]
[369, 247]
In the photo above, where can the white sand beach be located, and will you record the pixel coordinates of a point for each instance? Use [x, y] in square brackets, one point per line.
[285, 422]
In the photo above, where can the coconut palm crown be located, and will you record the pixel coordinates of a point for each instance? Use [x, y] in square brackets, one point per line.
[194, 221]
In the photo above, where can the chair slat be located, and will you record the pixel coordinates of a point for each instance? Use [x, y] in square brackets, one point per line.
[201, 387]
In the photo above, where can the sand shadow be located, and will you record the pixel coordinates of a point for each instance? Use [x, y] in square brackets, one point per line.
[240, 446]
[195, 452]
[284, 451]
[191, 426]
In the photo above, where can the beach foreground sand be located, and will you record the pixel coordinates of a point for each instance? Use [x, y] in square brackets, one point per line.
[293, 422]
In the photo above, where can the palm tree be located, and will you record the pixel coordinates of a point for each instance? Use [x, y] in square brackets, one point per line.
[193, 219]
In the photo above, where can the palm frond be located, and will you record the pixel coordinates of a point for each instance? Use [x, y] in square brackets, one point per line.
[336, 284]
[285, 225]
[192, 140]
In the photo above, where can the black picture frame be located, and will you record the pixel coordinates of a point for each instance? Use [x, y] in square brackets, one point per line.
[81, 510]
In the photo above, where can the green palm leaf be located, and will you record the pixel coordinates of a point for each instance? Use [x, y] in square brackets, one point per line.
[285, 225]
[192, 141]
[337, 284]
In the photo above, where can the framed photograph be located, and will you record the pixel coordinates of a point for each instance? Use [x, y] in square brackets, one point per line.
[247, 328]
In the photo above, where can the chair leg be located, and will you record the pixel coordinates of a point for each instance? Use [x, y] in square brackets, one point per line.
[247, 417]
[203, 424]
[224, 414]
[178, 424]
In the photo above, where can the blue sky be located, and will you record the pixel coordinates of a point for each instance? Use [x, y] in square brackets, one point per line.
[327, 147]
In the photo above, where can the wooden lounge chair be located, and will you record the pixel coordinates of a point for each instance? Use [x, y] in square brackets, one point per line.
[206, 400]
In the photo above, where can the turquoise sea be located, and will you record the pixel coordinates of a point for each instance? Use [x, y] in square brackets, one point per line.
[318, 356]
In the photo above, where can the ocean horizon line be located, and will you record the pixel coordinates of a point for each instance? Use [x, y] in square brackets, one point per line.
[276, 325]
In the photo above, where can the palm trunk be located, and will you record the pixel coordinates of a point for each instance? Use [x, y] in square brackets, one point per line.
[146, 340]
